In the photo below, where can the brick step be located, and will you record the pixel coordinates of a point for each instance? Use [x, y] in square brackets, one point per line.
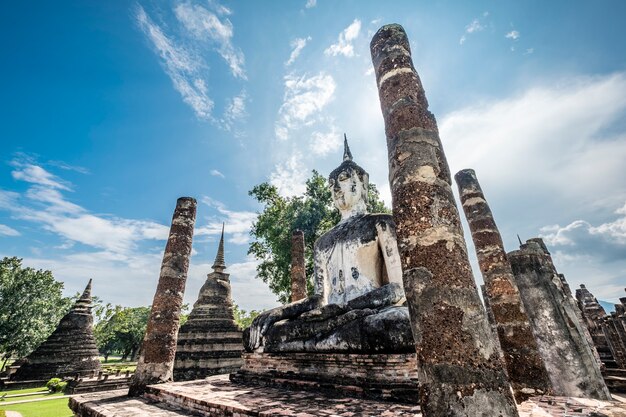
[118, 404]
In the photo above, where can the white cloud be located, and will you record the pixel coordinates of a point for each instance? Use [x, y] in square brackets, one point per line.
[344, 42]
[513, 35]
[304, 98]
[217, 173]
[37, 175]
[473, 27]
[235, 111]
[205, 25]
[8, 231]
[297, 44]
[289, 177]
[181, 66]
[529, 51]
[237, 224]
[310, 4]
[323, 143]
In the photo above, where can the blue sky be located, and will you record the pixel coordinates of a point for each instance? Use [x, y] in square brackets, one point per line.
[112, 110]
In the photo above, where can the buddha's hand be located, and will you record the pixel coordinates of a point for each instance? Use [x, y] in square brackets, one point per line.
[253, 336]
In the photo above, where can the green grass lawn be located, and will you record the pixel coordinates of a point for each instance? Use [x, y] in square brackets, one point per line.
[34, 396]
[23, 391]
[52, 408]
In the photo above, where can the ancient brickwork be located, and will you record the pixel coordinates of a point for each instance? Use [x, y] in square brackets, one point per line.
[616, 340]
[460, 370]
[527, 372]
[69, 350]
[210, 343]
[379, 376]
[298, 266]
[556, 319]
[593, 313]
[156, 363]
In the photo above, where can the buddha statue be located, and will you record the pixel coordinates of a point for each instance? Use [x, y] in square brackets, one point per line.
[357, 305]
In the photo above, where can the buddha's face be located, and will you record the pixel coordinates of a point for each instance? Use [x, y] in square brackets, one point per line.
[347, 190]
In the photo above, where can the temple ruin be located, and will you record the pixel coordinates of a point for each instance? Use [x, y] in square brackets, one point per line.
[156, 362]
[298, 266]
[209, 343]
[526, 369]
[563, 339]
[70, 350]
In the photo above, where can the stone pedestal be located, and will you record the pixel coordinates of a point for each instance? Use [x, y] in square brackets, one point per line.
[210, 343]
[527, 372]
[460, 370]
[298, 266]
[156, 363]
[554, 315]
[71, 349]
[391, 377]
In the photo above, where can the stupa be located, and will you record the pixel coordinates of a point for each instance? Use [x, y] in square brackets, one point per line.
[71, 349]
[210, 342]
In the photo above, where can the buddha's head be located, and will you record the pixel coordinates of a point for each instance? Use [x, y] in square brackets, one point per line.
[349, 183]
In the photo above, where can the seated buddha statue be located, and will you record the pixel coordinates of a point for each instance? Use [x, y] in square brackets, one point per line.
[358, 300]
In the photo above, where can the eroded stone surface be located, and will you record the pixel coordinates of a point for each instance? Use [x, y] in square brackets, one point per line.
[593, 313]
[298, 266]
[527, 372]
[71, 349]
[556, 319]
[210, 342]
[459, 366]
[156, 363]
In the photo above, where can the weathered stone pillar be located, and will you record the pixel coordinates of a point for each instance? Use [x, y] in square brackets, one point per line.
[527, 372]
[460, 371]
[593, 313]
[561, 336]
[298, 266]
[156, 362]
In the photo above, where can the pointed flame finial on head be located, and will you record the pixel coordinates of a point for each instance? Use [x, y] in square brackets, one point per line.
[347, 155]
[219, 264]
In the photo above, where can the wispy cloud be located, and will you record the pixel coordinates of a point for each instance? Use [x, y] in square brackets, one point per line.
[289, 177]
[183, 67]
[8, 231]
[310, 4]
[474, 26]
[304, 98]
[322, 143]
[235, 111]
[344, 45]
[513, 35]
[207, 26]
[297, 44]
[26, 171]
[217, 173]
[237, 223]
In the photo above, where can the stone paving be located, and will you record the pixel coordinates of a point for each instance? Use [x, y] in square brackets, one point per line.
[217, 396]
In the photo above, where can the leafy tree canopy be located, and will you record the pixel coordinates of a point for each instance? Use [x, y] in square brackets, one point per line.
[313, 212]
[244, 318]
[120, 330]
[31, 306]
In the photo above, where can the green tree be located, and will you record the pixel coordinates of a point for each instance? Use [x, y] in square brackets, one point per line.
[31, 306]
[243, 318]
[121, 331]
[313, 213]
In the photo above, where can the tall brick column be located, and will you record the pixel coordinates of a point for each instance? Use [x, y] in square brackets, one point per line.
[156, 363]
[460, 371]
[298, 266]
[527, 372]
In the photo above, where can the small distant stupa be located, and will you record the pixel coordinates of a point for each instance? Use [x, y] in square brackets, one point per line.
[69, 350]
[210, 342]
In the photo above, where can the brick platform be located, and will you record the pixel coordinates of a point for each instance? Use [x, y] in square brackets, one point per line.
[373, 376]
[218, 397]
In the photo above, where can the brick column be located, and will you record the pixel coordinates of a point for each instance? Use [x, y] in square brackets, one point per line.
[527, 372]
[298, 266]
[460, 371]
[156, 363]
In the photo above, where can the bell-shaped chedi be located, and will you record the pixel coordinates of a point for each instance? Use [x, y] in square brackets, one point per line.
[210, 342]
[69, 350]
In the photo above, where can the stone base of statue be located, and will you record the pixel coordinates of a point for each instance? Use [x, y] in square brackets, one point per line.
[391, 377]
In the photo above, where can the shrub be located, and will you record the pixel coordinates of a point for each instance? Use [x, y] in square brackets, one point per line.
[56, 385]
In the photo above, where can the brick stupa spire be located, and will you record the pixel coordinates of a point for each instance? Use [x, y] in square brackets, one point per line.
[69, 350]
[210, 342]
